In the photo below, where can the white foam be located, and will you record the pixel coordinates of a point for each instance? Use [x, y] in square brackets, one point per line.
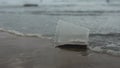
[113, 52]
[15, 32]
[106, 50]
[22, 34]
[111, 45]
[97, 49]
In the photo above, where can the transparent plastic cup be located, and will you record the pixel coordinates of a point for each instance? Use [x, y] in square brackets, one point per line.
[70, 33]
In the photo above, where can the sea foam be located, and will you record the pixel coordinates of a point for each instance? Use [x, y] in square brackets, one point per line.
[112, 50]
[17, 33]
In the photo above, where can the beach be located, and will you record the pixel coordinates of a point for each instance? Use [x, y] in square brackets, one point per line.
[32, 52]
[29, 35]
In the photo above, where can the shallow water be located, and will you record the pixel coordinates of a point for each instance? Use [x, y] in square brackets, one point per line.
[40, 21]
[26, 22]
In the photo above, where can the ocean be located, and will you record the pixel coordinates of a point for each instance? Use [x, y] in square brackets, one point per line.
[42, 21]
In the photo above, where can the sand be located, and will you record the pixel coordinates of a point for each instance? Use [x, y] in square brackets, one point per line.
[33, 52]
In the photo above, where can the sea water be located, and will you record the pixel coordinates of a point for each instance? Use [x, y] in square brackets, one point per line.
[41, 22]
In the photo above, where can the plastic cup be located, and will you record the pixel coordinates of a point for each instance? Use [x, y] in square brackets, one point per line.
[70, 33]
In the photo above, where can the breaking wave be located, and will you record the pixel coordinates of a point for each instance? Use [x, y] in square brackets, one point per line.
[17, 33]
[111, 50]
[97, 44]
[105, 43]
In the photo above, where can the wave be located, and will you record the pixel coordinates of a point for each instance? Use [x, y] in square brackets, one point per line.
[111, 50]
[105, 43]
[96, 46]
[17, 33]
[64, 13]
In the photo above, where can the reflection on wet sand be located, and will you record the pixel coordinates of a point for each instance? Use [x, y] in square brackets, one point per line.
[76, 57]
[70, 57]
[82, 49]
[32, 52]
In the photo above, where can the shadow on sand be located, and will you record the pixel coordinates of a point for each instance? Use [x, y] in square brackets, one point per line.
[75, 47]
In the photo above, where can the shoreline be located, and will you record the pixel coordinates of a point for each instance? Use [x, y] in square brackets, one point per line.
[107, 43]
[32, 52]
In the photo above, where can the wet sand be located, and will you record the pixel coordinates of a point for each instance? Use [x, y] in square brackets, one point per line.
[32, 52]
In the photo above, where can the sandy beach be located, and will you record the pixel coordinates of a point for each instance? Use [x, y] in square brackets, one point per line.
[33, 52]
